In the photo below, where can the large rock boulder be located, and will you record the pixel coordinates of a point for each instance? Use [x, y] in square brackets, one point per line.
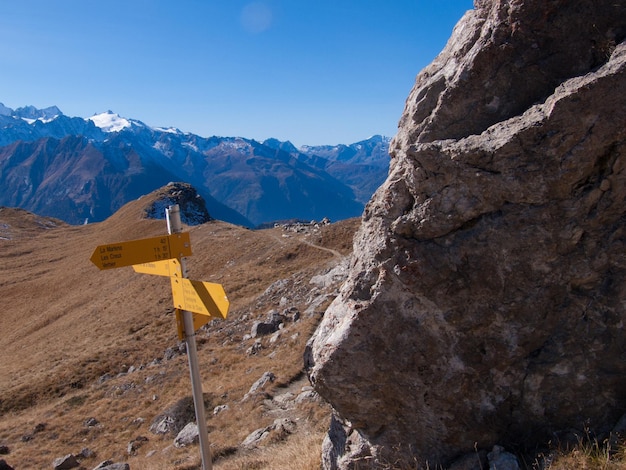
[485, 300]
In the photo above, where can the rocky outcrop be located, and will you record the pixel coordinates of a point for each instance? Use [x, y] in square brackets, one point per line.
[193, 209]
[484, 303]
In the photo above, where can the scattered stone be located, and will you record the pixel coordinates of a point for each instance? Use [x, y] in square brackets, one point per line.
[138, 421]
[86, 453]
[187, 436]
[276, 336]
[278, 430]
[283, 399]
[275, 317]
[301, 226]
[267, 377]
[262, 328]
[109, 465]
[103, 464]
[5, 466]
[163, 425]
[499, 459]
[91, 422]
[39, 428]
[174, 418]
[291, 314]
[104, 378]
[273, 323]
[65, 463]
[218, 409]
[254, 349]
[255, 437]
[309, 395]
[276, 287]
[171, 353]
[4, 450]
[135, 444]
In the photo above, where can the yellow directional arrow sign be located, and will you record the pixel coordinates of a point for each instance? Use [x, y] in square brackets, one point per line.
[205, 298]
[168, 267]
[117, 255]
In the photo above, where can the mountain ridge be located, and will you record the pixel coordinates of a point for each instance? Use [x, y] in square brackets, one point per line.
[242, 180]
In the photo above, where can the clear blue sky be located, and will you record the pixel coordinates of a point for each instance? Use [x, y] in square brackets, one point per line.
[309, 71]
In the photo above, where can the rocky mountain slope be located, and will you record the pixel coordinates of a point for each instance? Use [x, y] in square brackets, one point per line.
[90, 361]
[80, 169]
[485, 303]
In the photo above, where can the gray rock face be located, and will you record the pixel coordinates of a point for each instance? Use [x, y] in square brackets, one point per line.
[65, 463]
[187, 436]
[193, 209]
[174, 418]
[484, 299]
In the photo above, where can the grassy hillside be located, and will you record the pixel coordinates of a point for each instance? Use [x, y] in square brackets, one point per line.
[89, 358]
[80, 343]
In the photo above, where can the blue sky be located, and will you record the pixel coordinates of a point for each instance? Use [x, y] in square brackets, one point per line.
[312, 72]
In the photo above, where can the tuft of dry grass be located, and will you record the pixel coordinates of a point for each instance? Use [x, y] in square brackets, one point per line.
[587, 454]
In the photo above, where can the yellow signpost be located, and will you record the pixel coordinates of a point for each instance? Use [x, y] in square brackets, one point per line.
[118, 255]
[196, 302]
[205, 298]
[168, 268]
[161, 256]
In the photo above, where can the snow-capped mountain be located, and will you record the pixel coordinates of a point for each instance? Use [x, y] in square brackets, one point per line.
[110, 122]
[78, 168]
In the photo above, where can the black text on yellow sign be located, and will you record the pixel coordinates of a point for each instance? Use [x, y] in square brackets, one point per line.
[147, 250]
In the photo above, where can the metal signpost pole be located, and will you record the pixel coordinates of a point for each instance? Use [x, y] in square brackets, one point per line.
[174, 225]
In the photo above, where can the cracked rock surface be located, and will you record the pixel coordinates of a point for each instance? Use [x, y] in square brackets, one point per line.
[484, 302]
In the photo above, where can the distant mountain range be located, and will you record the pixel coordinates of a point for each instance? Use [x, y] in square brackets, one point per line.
[84, 169]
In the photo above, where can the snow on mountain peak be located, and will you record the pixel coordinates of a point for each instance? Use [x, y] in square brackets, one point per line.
[110, 121]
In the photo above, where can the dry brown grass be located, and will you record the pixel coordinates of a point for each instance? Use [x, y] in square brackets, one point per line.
[68, 324]
[587, 454]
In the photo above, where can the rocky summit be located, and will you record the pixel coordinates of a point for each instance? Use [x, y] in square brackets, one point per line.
[484, 304]
[192, 205]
